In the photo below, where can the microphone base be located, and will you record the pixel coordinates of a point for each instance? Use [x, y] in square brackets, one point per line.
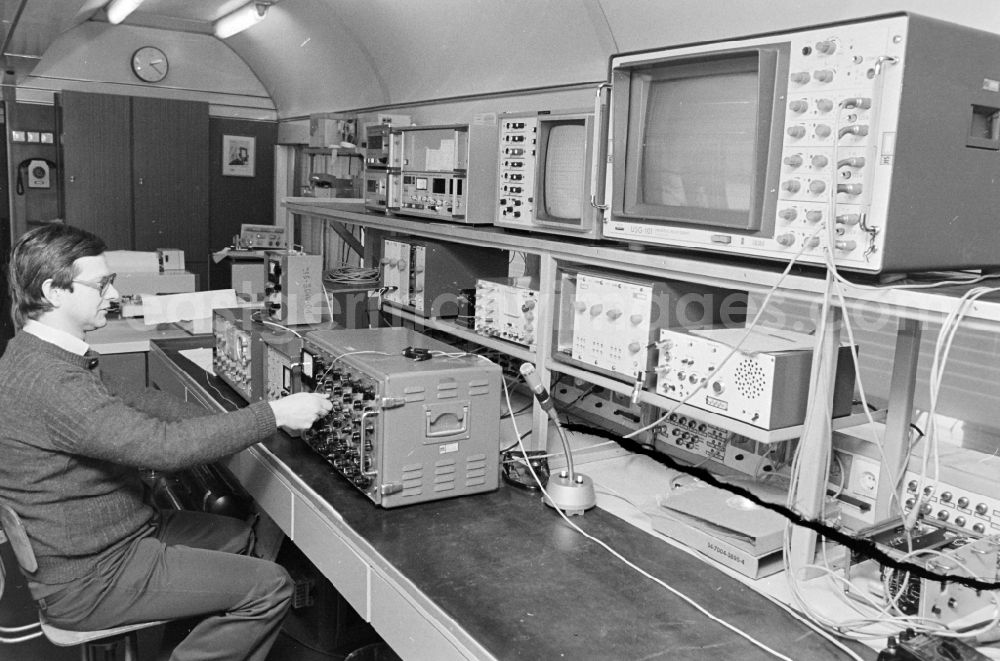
[572, 497]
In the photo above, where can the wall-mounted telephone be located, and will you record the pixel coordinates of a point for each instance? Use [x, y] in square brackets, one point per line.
[38, 172]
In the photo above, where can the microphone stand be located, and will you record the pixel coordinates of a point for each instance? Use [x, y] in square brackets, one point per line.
[569, 491]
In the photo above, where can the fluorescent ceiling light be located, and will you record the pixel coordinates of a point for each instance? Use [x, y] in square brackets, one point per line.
[118, 9]
[240, 19]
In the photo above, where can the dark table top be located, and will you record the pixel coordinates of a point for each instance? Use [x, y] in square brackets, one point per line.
[525, 585]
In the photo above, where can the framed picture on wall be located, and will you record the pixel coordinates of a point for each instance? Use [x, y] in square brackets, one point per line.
[237, 155]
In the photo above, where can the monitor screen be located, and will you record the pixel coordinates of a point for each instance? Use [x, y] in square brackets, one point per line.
[700, 135]
[696, 132]
[563, 175]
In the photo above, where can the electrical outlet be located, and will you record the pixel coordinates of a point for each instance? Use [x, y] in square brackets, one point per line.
[863, 479]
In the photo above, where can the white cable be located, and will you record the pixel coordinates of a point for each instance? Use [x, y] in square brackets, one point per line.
[632, 565]
[942, 350]
[735, 347]
[879, 440]
[281, 326]
[882, 617]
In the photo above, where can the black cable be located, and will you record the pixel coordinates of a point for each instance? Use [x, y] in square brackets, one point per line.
[864, 547]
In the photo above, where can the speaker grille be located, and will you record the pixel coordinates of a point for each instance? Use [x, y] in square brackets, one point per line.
[750, 379]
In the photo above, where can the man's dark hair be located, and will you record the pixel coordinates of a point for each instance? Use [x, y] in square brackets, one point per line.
[40, 254]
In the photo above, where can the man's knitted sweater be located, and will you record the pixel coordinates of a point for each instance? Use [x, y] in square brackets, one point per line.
[70, 450]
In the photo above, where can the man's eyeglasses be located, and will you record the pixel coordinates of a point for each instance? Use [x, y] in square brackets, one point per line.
[101, 285]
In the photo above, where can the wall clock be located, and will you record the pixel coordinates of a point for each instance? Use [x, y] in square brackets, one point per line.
[150, 64]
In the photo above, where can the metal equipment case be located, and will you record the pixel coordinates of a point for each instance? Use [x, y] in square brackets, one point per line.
[413, 419]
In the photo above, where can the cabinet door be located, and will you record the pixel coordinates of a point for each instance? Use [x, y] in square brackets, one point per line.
[97, 157]
[170, 178]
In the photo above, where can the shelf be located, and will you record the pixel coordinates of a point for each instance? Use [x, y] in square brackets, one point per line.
[807, 284]
[857, 417]
[333, 151]
[520, 352]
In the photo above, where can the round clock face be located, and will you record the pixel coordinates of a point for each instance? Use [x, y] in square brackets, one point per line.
[150, 64]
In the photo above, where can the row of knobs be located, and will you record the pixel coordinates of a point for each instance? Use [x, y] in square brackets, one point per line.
[399, 264]
[428, 201]
[824, 47]
[527, 311]
[718, 387]
[788, 240]
[261, 240]
[962, 502]
[612, 313]
[815, 215]
[824, 131]
[818, 187]
[799, 106]
[820, 161]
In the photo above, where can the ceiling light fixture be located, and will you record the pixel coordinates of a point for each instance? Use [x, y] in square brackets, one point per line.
[117, 10]
[240, 19]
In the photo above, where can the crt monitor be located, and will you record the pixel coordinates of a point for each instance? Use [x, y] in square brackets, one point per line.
[564, 171]
[698, 136]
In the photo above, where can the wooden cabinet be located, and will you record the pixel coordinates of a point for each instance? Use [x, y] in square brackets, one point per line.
[97, 155]
[170, 177]
[136, 172]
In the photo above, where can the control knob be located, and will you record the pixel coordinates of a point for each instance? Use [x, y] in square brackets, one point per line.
[860, 102]
[826, 47]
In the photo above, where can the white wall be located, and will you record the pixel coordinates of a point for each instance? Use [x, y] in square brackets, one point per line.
[316, 56]
[96, 57]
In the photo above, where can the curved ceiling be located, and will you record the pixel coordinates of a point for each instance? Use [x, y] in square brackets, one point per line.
[313, 56]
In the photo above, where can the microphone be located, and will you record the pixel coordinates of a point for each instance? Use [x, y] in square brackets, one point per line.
[568, 491]
[535, 384]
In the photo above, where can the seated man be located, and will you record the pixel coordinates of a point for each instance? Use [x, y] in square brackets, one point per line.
[71, 451]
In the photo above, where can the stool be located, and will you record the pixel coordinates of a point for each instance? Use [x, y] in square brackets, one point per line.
[100, 645]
